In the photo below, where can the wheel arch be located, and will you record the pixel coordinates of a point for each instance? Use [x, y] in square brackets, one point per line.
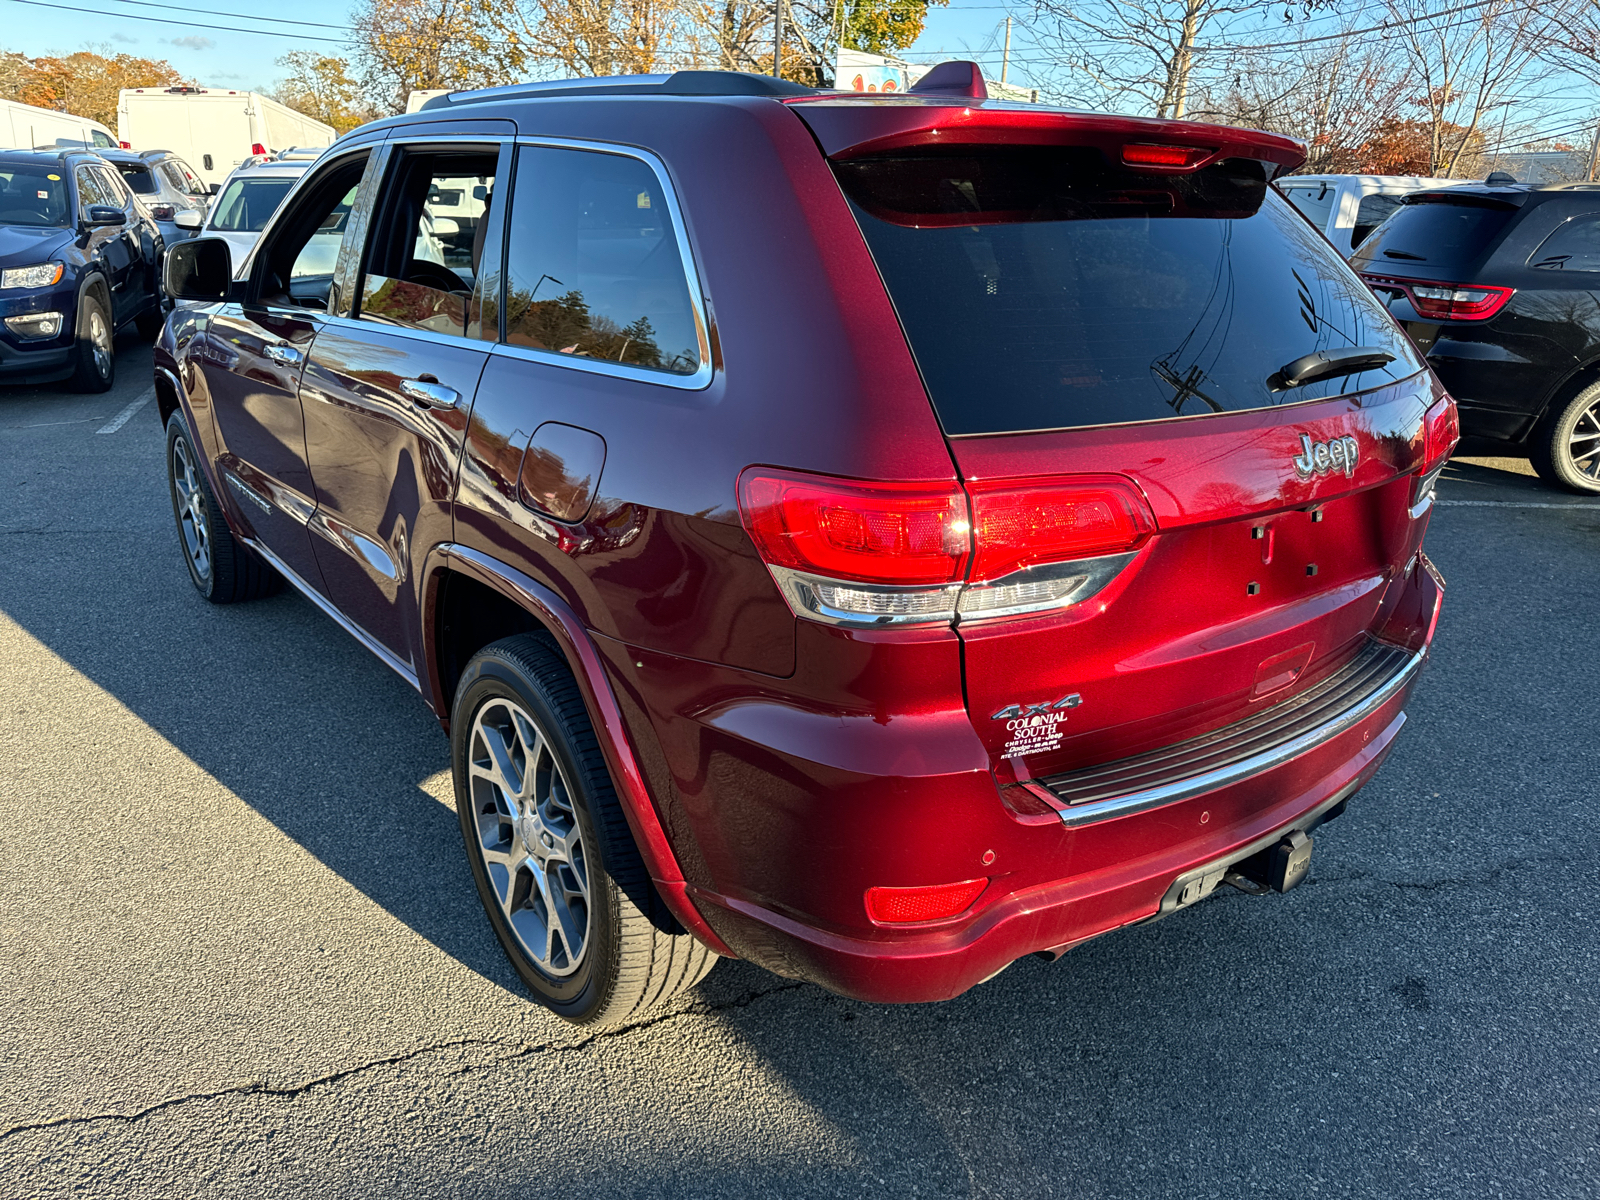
[1568, 386]
[95, 280]
[502, 601]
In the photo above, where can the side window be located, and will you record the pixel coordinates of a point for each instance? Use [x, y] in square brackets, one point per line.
[426, 251]
[90, 193]
[592, 263]
[1574, 246]
[184, 179]
[111, 184]
[104, 141]
[1315, 200]
[296, 267]
[1373, 211]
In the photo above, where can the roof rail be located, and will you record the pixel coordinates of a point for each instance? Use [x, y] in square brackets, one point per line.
[680, 83]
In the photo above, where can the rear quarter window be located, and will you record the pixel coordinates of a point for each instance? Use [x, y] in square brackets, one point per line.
[1574, 246]
[1044, 288]
[1315, 200]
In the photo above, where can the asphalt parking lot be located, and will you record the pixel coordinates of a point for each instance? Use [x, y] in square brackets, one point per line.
[240, 954]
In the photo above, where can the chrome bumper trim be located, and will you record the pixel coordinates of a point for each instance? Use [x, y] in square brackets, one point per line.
[1074, 816]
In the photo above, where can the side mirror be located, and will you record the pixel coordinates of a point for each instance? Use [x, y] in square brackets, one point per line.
[198, 269]
[213, 188]
[104, 214]
[188, 218]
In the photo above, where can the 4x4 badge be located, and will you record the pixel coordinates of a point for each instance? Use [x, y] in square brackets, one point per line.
[1013, 711]
[1318, 458]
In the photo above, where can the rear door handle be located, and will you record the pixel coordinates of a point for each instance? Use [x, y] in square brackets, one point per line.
[430, 393]
[285, 355]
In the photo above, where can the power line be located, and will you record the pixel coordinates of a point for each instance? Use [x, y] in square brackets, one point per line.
[240, 16]
[95, 12]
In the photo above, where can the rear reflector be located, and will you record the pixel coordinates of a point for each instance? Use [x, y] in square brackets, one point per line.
[1172, 158]
[904, 905]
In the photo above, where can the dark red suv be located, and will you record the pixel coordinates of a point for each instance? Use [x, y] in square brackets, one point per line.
[879, 537]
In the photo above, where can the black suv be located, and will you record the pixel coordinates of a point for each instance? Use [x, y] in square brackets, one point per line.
[1500, 288]
[78, 260]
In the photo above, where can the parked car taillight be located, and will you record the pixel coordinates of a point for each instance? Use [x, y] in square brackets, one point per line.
[910, 553]
[163, 212]
[1441, 430]
[1446, 301]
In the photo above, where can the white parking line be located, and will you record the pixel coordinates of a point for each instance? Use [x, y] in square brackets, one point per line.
[1510, 504]
[121, 419]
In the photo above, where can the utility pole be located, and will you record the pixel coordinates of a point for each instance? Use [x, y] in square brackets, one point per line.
[1005, 61]
[777, 39]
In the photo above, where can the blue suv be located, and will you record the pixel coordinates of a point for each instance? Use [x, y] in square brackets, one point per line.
[79, 259]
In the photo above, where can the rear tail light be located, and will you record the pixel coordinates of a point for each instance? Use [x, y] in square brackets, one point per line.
[1171, 158]
[1446, 301]
[1441, 430]
[257, 148]
[905, 905]
[852, 553]
[163, 212]
[126, 145]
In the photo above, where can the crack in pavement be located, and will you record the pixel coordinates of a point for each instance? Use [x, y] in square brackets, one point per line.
[744, 1000]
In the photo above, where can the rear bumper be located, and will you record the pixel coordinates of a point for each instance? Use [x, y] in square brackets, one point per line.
[1072, 883]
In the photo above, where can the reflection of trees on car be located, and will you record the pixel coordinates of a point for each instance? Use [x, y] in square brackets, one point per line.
[565, 325]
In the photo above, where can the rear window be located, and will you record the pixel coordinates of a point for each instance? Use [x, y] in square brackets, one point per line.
[1043, 288]
[138, 178]
[1438, 232]
[245, 204]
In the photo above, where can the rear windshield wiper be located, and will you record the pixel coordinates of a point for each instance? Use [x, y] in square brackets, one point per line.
[1404, 254]
[1327, 364]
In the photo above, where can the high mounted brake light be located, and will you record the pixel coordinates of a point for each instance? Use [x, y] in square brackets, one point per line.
[1169, 158]
[854, 553]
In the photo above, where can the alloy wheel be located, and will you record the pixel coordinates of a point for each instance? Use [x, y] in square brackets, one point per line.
[192, 517]
[1583, 443]
[100, 342]
[528, 835]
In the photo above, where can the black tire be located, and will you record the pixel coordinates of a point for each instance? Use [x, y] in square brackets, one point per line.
[633, 955]
[1565, 448]
[150, 321]
[95, 359]
[221, 569]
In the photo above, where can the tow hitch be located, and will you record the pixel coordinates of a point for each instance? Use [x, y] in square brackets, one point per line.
[1276, 869]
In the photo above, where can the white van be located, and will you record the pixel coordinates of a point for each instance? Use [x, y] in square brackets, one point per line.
[1347, 208]
[24, 127]
[415, 100]
[213, 130]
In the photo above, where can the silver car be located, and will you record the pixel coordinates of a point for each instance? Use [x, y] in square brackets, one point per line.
[175, 196]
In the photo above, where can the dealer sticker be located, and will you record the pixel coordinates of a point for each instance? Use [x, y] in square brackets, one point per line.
[1036, 728]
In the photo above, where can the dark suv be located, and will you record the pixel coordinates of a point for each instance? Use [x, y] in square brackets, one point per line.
[1500, 288]
[880, 537]
[79, 257]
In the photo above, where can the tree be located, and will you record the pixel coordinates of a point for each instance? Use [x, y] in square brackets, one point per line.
[883, 26]
[1134, 53]
[406, 45]
[603, 37]
[86, 84]
[320, 86]
[1468, 66]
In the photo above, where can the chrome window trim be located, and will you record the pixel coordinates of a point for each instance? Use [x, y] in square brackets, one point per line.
[1256, 764]
[701, 378]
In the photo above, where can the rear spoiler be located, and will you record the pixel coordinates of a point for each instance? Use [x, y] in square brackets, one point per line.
[856, 125]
